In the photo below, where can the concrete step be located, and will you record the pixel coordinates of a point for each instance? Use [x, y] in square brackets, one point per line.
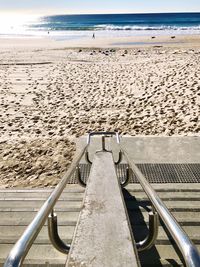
[171, 205]
[24, 217]
[79, 196]
[66, 232]
[137, 216]
[169, 195]
[39, 253]
[35, 194]
[18, 207]
[183, 201]
[184, 205]
[167, 255]
[37, 204]
[178, 187]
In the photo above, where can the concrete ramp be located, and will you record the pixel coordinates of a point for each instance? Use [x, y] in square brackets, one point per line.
[103, 236]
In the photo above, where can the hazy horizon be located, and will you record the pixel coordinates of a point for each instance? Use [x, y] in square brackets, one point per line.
[78, 7]
[74, 14]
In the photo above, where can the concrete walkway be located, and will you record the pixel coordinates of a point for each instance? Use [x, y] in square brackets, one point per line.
[152, 149]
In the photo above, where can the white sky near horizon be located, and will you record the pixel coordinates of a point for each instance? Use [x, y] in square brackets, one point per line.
[46, 7]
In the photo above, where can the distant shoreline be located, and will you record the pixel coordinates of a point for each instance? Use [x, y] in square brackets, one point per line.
[68, 27]
[88, 42]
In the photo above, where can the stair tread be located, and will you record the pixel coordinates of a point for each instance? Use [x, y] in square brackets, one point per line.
[37, 252]
[66, 232]
[24, 218]
[18, 207]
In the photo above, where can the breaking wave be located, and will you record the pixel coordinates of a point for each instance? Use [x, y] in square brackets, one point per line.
[144, 28]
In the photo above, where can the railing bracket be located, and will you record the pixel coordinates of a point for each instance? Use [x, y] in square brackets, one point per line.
[54, 236]
[149, 241]
[128, 175]
[119, 158]
[78, 175]
[87, 157]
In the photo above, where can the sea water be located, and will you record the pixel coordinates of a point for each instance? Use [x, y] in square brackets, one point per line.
[78, 26]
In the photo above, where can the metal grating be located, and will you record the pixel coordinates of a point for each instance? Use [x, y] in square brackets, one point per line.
[155, 173]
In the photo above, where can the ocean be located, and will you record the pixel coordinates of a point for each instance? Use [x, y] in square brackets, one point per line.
[78, 26]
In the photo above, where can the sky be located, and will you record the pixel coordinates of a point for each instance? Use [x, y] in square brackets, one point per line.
[45, 7]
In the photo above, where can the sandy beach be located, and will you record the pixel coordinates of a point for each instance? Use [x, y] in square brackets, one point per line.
[52, 93]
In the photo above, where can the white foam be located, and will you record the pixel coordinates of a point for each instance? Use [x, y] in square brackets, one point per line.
[145, 28]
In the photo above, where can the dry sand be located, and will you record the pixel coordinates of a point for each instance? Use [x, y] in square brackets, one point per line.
[51, 96]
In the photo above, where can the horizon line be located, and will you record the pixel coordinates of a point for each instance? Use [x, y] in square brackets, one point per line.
[124, 13]
[95, 13]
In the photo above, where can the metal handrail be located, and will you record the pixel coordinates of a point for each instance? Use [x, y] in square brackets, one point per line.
[189, 251]
[21, 248]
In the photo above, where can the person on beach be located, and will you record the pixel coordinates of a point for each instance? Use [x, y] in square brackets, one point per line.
[93, 36]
